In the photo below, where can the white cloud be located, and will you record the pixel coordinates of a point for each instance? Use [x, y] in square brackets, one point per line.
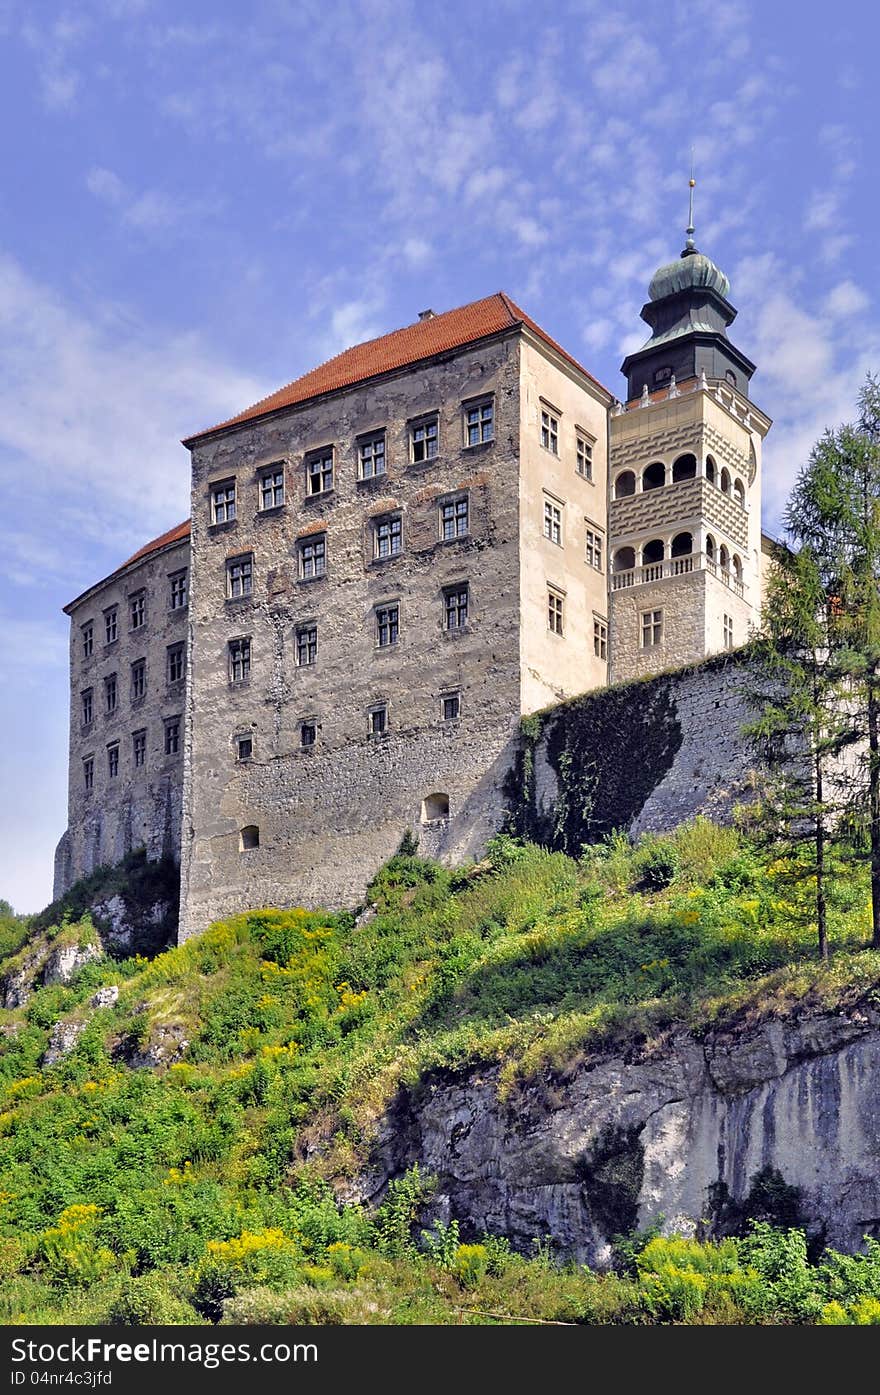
[149, 212]
[845, 300]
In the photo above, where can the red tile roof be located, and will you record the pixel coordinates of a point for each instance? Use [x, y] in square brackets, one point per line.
[454, 329]
[173, 535]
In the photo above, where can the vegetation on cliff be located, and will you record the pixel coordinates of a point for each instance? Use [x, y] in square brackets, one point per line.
[184, 1159]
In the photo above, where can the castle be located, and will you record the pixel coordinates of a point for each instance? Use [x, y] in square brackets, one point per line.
[389, 563]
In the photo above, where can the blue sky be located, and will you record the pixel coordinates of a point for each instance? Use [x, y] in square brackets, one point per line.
[201, 201]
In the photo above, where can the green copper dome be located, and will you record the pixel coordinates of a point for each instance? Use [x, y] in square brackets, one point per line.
[691, 272]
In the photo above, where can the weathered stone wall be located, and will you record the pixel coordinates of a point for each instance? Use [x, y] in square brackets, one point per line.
[141, 805]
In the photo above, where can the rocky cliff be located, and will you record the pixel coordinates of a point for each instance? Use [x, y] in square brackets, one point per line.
[685, 1133]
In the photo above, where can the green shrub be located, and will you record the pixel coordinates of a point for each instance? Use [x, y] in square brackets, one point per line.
[149, 1300]
[657, 862]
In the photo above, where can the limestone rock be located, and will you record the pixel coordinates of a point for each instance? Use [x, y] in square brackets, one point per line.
[64, 961]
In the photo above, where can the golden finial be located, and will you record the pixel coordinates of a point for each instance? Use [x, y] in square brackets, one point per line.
[689, 245]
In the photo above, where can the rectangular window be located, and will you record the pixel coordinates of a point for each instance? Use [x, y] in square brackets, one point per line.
[549, 431]
[223, 503]
[600, 638]
[138, 611]
[87, 707]
[313, 557]
[306, 645]
[239, 577]
[89, 772]
[110, 626]
[178, 590]
[88, 639]
[455, 606]
[388, 536]
[451, 705]
[584, 460]
[595, 548]
[424, 440]
[172, 737]
[371, 456]
[176, 662]
[377, 720]
[555, 612]
[319, 471]
[454, 521]
[479, 423]
[272, 488]
[308, 733]
[244, 747]
[387, 625]
[110, 693]
[138, 679]
[239, 660]
[728, 632]
[553, 522]
[139, 747]
[113, 761]
[652, 628]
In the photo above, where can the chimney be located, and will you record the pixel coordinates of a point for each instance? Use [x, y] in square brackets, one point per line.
[426, 314]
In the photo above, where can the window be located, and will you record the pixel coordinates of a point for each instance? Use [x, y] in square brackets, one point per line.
[388, 536]
[450, 704]
[88, 640]
[89, 773]
[584, 461]
[553, 522]
[624, 484]
[249, 837]
[223, 503]
[377, 720]
[110, 626]
[113, 761]
[435, 806]
[239, 577]
[555, 612]
[172, 737]
[87, 707]
[138, 679]
[272, 488]
[176, 662]
[313, 557]
[479, 423]
[424, 438]
[138, 610]
[139, 747]
[110, 693]
[454, 521]
[728, 632]
[244, 747]
[306, 645]
[455, 604]
[178, 590]
[595, 542]
[652, 628]
[239, 660]
[600, 638]
[308, 732]
[371, 456]
[549, 431]
[387, 625]
[319, 471]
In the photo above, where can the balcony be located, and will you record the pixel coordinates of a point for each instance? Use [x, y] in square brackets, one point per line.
[675, 566]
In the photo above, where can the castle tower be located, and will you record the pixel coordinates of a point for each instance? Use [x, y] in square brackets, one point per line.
[684, 519]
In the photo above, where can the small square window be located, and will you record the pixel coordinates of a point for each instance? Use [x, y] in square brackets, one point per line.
[306, 645]
[139, 748]
[456, 601]
[89, 773]
[371, 456]
[549, 431]
[451, 705]
[88, 640]
[319, 471]
[313, 557]
[555, 612]
[112, 761]
[553, 522]
[388, 536]
[600, 638]
[584, 457]
[87, 707]
[172, 737]
[110, 693]
[728, 632]
[308, 732]
[387, 625]
[595, 548]
[239, 660]
[272, 488]
[239, 577]
[244, 747]
[652, 628]
[111, 623]
[176, 662]
[178, 590]
[138, 611]
[377, 720]
[479, 422]
[138, 680]
[454, 518]
[424, 440]
[223, 503]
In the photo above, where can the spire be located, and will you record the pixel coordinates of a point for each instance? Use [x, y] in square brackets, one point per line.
[690, 246]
